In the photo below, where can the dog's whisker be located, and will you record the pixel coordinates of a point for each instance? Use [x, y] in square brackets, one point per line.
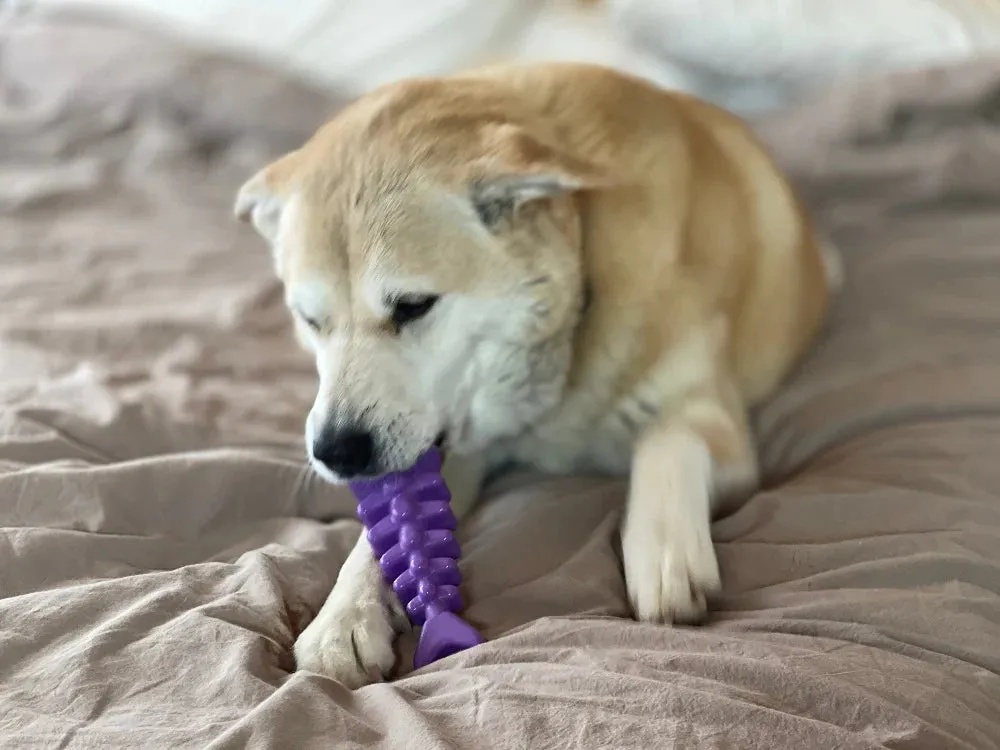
[302, 480]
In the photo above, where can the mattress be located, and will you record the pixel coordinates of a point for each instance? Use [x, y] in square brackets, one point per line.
[162, 542]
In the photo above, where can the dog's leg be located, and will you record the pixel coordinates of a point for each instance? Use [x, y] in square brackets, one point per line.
[692, 457]
[351, 638]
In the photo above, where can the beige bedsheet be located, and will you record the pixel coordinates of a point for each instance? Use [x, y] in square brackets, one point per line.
[161, 544]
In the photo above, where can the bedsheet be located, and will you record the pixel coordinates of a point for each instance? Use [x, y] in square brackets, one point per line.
[161, 543]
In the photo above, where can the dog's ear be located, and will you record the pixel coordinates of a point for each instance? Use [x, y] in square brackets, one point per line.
[498, 196]
[519, 168]
[262, 198]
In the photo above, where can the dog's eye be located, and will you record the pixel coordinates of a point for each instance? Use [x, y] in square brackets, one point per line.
[313, 324]
[408, 309]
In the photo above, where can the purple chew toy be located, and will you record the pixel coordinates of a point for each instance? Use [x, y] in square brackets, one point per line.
[410, 524]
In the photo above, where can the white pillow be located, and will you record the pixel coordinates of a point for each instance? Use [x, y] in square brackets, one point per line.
[571, 30]
[351, 45]
[753, 54]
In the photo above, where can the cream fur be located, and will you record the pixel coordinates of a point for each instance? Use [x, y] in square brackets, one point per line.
[516, 194]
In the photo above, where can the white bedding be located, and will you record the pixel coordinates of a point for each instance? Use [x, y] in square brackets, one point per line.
[752, 55]
[747, 55]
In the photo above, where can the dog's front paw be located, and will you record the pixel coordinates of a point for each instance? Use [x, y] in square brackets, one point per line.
[669, 577]
[351, 639]
[355, 647]
[670, 563]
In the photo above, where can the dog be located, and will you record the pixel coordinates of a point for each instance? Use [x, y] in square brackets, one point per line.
[553, 265]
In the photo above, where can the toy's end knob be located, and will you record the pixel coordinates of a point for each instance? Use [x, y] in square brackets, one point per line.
[442, 636]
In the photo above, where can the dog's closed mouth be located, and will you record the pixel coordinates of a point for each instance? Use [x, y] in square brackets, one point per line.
[441, 442]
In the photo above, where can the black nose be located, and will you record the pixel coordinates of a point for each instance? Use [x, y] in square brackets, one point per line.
[347, 453]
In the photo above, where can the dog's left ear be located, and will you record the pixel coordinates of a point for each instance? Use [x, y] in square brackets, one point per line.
[520, 168]
[495, 197]
[262, 198]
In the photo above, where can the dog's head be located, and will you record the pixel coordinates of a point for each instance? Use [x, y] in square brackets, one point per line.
[429, 242]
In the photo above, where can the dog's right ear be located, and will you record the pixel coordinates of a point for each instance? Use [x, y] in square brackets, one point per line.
[262, 198]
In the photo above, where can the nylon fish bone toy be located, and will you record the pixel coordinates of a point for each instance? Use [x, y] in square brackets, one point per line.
[410, 527]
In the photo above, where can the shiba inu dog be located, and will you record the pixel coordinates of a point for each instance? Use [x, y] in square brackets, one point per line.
[557, 265]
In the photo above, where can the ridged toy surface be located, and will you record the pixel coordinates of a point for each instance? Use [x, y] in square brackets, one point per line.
[410, 527]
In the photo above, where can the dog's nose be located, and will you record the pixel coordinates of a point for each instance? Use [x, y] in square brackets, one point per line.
[347, 453]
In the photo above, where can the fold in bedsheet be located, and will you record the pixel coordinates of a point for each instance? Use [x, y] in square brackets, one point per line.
[161, 543]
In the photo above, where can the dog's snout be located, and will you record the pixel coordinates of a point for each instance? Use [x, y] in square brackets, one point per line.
[347, 453]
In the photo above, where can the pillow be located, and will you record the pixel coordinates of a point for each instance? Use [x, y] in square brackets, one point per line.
[580, 30]
[757, 54]
[351, 45]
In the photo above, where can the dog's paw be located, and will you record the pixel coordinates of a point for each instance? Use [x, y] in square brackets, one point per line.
[670, 563]
[670, 573]
[351, 640]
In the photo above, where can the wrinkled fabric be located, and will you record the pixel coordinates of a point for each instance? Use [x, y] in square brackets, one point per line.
[161, 543]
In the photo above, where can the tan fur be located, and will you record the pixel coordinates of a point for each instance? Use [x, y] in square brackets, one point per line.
[707, 284]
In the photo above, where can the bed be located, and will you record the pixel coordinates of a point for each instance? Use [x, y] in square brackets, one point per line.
[161, 542]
